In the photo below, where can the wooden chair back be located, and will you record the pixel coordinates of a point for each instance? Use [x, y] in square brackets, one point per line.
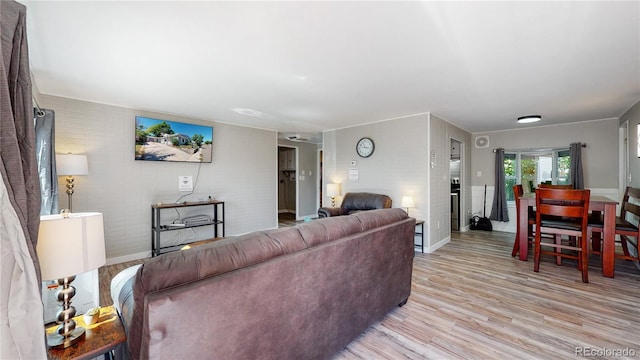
[551, 186]
[630, 209]
[629, 224]
[563, 212]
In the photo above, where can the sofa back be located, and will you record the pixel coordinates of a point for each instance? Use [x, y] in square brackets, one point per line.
[358, 201]
[300, 292]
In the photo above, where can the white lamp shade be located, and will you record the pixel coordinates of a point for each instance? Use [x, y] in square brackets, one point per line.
[70, 246]
[407, 202]
[333, 189]
[70, 164]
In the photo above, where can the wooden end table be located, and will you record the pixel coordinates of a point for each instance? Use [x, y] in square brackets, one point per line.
[420, 233]
[100, 338]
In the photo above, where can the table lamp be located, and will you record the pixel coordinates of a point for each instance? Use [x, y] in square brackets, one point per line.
[407, 202]
[69, 244]
[71, 165]
[333, 190]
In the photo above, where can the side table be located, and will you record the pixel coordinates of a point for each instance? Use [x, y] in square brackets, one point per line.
[420, 247]
[100, 338]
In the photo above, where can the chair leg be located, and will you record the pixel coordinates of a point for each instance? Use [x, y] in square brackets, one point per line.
[536, 254]
[516, 245]
[625, 245]
[584, 256]
[558, 241]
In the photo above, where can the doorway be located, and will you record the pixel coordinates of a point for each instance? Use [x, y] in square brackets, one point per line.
[455, 174]
[287, 183]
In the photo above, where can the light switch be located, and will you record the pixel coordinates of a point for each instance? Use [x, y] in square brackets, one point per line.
[479, 173]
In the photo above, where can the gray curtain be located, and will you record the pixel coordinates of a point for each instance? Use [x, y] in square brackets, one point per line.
[577, 179]
[21, 313]
[46, 158]
[499, 209]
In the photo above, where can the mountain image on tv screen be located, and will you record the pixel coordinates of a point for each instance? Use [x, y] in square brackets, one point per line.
[164, 140]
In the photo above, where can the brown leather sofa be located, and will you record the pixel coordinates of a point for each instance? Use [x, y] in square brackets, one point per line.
[356, 201]
[303, 292]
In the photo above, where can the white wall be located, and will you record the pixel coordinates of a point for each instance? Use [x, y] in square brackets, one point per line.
[396, 168]
[400, 165]
[632, 116]
[599, 158]
[243, 173]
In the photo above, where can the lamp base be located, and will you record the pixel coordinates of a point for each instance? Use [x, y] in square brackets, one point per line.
[57, 341]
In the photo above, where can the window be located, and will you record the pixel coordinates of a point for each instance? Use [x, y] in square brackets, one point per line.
[533, 167]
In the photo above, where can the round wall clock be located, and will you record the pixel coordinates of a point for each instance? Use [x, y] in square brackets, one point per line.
[365, 147]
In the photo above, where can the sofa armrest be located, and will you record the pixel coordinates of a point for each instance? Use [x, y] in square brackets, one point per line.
[122, 296]
[329, 212]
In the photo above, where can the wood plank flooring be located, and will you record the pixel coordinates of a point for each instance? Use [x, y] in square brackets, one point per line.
[472, 300]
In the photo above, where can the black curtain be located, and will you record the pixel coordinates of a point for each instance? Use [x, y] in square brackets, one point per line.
[499, 209]
[577, 179]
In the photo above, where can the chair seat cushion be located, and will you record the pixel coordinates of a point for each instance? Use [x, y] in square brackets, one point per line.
[560, 223]
[597, 221]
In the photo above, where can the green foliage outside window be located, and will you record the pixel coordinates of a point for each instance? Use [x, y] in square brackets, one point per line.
[529, 167]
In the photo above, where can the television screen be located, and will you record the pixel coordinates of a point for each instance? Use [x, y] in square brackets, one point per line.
[164, 140]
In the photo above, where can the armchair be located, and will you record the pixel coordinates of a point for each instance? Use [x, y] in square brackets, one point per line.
[353, 202]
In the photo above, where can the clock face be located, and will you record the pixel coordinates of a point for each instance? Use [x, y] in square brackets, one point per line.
[365, 147]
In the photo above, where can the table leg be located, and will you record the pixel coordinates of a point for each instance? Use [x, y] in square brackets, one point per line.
[523, 223]
[609, 240]
[596, 236]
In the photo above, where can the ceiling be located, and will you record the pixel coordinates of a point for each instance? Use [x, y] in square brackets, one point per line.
[303, 67]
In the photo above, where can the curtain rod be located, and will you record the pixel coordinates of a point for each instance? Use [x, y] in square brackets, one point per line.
[584, 145]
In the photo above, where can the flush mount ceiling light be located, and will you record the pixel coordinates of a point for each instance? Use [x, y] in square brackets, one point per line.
[529, 119]
[248, 112]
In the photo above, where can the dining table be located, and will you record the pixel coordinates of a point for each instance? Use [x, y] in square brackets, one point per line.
[597, 204]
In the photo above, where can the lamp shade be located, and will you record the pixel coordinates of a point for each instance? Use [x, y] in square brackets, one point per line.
[333, 189]
[69, 164]
[68, 246]
[407, 202]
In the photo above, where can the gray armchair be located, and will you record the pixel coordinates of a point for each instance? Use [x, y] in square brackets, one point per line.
[354, 202]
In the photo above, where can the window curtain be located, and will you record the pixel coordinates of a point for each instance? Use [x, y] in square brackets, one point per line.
[46, 159]
[499, 209]
[577, 179]
[21, 313]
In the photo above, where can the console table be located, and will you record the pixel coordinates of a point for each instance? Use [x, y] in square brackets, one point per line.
[211, 214]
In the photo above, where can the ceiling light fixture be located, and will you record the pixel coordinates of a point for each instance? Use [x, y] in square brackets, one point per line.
[529, 119]
[248, 112]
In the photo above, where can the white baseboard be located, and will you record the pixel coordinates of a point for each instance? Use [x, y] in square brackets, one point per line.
[438, 245]
[125, 258]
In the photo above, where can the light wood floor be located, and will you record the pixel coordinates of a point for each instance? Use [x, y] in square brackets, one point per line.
[472, 300]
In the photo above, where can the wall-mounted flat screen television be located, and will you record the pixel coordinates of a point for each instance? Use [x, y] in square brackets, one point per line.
[164, 140]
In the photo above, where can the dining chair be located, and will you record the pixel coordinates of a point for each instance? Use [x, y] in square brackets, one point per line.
[551, 186]
[518, 191]
[627, 225]
[563, 212]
